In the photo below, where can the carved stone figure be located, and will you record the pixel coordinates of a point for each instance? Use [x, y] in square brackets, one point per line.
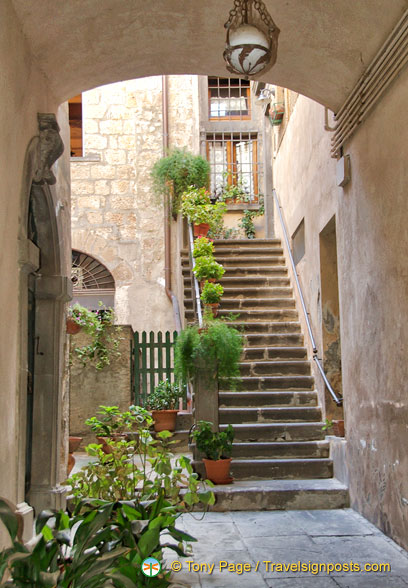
[50, 147]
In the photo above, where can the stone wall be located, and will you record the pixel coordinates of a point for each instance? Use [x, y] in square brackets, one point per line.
[89, 388]
[372, 241]
[116, 217]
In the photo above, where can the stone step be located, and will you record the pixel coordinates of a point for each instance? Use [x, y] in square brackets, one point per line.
[272, 469]
[277, 450]
[248, 250]
[253, 271]
[243, 260]
[246, 281]
[295, 367]
[237, 243]
[251, 315]
[264, 353]
[238, 304]
[283, 469]
[325, 493]
[275, 414]
[278, 432]
[254, 292]
[254, 327]
[261, 399]
[271, 383]
[278, 340]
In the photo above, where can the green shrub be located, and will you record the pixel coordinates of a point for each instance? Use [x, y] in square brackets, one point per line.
[174, 174]
[207, 267]
[214, 445]
[165, 396]
[203, 246]
[211, 293]
[196, 206]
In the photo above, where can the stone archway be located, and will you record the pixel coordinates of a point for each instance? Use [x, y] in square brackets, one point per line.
[44, 290]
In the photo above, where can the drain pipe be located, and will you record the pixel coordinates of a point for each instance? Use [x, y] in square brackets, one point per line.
[167, 226]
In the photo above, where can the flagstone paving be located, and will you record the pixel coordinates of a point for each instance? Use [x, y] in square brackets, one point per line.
[287, 537]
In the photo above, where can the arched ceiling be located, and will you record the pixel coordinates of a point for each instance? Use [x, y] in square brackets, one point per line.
[324, 45]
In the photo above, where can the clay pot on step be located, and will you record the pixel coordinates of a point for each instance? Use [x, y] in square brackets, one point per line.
[201, 230]
[74, 443]
[338, 428]
[164, 420]
[218, 470]
[214, 308]
[72, 327]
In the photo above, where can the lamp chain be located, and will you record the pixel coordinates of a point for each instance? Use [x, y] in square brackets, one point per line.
[241, 8]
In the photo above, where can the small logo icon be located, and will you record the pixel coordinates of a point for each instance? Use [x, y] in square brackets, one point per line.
[151, 567]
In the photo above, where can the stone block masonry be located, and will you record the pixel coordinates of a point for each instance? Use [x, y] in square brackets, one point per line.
[115, 216]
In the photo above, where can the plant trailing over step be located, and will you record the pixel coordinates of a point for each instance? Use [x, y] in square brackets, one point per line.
[213, 444]
[211, 293]
[207, 268]
[174, 174]
[104, 336]
[217, 346]
[203, 247]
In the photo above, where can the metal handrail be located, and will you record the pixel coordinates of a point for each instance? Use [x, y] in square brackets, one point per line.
[338, 400]
[195, 282]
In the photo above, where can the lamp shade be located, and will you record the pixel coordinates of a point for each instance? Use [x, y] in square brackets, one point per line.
[247, 51]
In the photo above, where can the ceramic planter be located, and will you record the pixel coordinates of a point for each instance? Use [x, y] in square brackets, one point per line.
[218, 471]
[74, 443]
[201, 230]
[164, 420]
[72, 327]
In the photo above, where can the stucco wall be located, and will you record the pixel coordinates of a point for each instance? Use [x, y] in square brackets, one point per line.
[23, 93]
[116, 217]
[372, 240]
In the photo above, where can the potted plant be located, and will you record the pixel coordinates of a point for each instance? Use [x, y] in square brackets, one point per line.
[217, 448]
[203, 247]
[336, 425]
[217, 347]
[73, 445]
[211, 296]
[206, 268]
[196, 206]
[174, 174]
[113, 424]
[162, 403]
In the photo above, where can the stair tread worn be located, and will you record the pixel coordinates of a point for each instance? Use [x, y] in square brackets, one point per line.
[279, 443]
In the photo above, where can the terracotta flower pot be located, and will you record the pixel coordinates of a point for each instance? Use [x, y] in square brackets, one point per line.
[338, 428]
[164, 420]
[201, 230]
[214, 308]
[218, 471]
[211, 280]
[74, 443]
[105, 441]
[72, 327]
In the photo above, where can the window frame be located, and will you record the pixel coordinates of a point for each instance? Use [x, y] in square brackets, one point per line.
[246, 93]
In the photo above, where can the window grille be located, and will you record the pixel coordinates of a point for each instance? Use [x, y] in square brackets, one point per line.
[89, 274]
[229, 99]
[234, 160]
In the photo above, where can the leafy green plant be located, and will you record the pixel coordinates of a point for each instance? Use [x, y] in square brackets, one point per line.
[207, 267]
[165, 396]
[328, 425]
[237, 192]
[203, 246]
[100, 544]
[113, 421]
[105, 338]
[174, 174]
[247, 221]
[196, 206]
[214, 445]
[211, 293]
[218, 345]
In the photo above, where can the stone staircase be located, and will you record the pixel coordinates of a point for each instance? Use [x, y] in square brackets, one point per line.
[274, 411]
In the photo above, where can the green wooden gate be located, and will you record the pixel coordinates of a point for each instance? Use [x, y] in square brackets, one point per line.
[153, 361]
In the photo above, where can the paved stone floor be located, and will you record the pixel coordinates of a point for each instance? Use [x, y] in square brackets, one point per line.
[288, 537]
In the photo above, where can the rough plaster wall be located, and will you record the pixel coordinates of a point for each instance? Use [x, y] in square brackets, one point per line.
[89, 388]
[372, 242]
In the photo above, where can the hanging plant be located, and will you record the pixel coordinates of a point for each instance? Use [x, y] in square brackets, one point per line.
[105, 339]
[174, 174]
